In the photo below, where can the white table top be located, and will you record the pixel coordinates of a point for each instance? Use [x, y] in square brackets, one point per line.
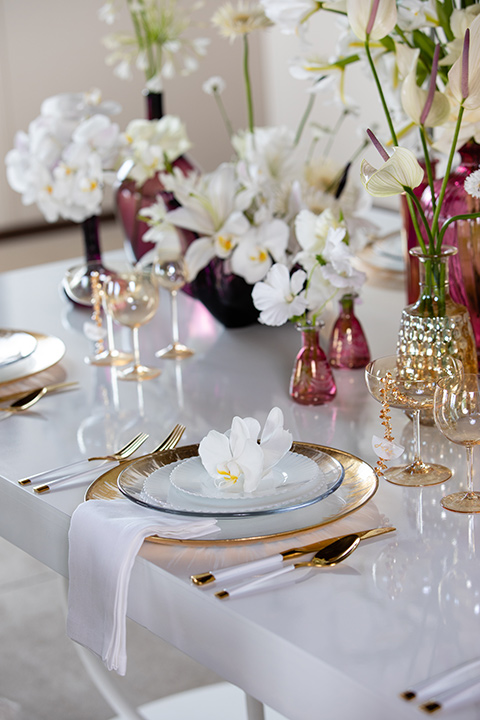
[345, 642]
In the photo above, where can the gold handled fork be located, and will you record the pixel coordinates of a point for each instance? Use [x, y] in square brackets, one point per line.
[119, 456]
[171, 441]
[122, 453]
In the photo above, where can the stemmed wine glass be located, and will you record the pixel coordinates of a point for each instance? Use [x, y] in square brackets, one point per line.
[132, 299]
[171, 275]
[457, 415]
[410, 388]
[109, 356]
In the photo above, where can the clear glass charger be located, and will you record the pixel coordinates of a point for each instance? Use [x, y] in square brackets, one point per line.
[147, 482]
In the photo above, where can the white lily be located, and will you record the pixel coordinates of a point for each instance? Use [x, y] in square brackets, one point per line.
[372, 17]
[401, 170]
[280, 297]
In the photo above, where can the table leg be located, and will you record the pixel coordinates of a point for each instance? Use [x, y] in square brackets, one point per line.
[254, 708]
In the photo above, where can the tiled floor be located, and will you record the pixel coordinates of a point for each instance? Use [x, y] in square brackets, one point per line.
[40, 672]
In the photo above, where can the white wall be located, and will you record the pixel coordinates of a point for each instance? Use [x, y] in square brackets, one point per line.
[53, 46]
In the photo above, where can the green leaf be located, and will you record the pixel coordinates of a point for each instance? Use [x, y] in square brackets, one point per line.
[444, 12]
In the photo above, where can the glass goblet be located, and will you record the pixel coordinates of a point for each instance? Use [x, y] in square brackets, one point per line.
[109, 356]
[171, 275]
[457, 415]
[132, 299]
[410, 388]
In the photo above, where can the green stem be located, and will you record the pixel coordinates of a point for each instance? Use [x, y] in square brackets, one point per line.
[223, 113]
[411, 194]
[248, 87]
[304, 119]
[443, 189]
[416, 226]
[380, 92]
[428, 165]
[466, 216]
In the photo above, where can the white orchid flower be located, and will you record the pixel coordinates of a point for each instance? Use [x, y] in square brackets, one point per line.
[280, 297]
[372, 17]
[237, 457]
[151, 144]
[252, 258]
[339, 270]
[312, 230]
[401, 170]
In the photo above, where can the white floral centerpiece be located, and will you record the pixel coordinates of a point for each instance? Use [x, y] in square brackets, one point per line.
[243, 214]
[66, 158]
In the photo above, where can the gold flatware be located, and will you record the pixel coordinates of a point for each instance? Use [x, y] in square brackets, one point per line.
[124, 452]
[171, 441]
[48, 388]
[328, 556]
[25, 402]
[273, 561]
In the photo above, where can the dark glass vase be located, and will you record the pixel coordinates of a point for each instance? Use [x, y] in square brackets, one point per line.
[462, 234]
[77, 281]
[348, 346]
[312, 380]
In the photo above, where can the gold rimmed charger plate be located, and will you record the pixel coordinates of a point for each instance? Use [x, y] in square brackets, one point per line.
[49, 352]
[359, 485]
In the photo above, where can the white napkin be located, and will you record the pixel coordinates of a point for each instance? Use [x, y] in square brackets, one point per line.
[104, 539]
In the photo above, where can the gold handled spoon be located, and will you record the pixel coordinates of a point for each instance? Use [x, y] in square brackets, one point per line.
[329, 555]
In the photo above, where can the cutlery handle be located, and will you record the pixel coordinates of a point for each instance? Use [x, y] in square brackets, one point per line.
[236, 571]
[443, 681]
[253, 585]
[42, 476]
[454, 698]
[58, 481]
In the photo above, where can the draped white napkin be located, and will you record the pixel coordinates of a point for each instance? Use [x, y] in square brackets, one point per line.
[104, 539]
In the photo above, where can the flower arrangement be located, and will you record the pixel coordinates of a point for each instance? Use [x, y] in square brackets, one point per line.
[159, 46]
[268, 205]
[434, 51]
[67, 156]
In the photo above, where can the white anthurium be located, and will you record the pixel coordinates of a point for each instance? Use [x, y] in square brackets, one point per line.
[460, 20]
[280, 297]
[237, 461]
[414, 99]
[401, 170]
[455, 75]
[359, 14]
[252, 258]
[406, 59]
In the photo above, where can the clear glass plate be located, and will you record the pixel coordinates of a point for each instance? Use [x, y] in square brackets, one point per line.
[147, 482]
[15, 345]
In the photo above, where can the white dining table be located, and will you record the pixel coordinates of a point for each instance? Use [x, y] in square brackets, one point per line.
[342, 643]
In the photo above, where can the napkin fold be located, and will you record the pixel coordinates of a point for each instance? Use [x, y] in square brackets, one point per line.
[104, 539]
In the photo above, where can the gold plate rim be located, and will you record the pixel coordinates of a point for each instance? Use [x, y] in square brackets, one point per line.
[43, 340]
[105, 487]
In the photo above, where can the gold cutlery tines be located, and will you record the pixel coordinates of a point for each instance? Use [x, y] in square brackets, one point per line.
[122, 453]
[171, 441]
[48, 389]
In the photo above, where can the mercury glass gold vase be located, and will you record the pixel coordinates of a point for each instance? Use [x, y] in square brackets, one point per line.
[435, 325]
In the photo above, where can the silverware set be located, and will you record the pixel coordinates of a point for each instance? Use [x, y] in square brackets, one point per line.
[448, 690]
[59, 475]
[24, 400]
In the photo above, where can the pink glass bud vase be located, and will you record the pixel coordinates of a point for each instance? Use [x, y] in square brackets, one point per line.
[312, 380]
[348, 346]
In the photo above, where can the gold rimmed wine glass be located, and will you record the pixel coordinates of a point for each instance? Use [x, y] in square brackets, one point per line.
[410, 387]
[108, 356]
[457, 416]
[132, 299]
[171, 274]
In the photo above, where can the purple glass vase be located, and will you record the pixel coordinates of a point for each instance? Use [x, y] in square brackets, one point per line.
[77, 281]
[348, 346]
[462, 234]
[312, 380]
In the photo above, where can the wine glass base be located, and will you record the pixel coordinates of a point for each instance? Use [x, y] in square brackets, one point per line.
[111, 358]
[462, 502]
[139, 373]
[417, 474]
[175, 351]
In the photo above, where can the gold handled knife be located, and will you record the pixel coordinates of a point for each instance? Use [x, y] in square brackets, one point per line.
[48, 388]
[273, 561]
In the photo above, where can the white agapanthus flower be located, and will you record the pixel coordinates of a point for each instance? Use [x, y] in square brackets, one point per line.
[242, 459]
[280, 297]
[215, 84]
[67, 156]
[151, 145]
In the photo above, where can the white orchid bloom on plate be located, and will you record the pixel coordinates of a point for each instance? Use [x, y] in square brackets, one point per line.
[252, 258]
[236, 460]
[280, 297]
[211, 208]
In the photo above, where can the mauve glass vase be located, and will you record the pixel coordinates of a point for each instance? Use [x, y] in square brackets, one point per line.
[348, 347]
[462, 234]
[312, 381]
[77, 281]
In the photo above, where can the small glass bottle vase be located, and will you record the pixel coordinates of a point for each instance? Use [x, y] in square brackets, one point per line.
[312, 380]
[348, 346]
[435, 325]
